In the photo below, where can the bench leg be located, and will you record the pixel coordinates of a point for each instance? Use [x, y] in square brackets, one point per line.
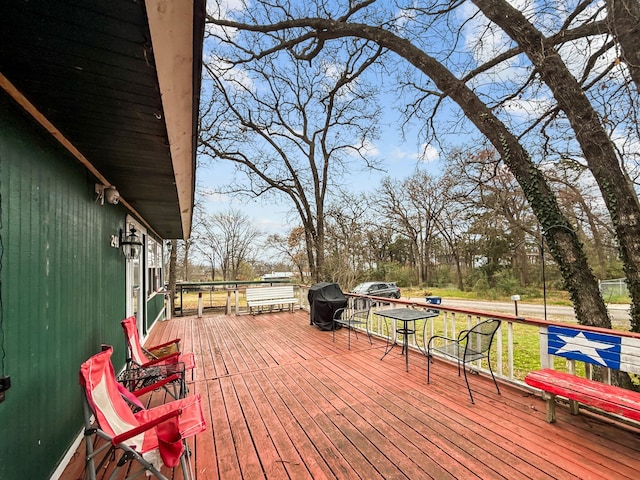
[551, 406]
[574, 407]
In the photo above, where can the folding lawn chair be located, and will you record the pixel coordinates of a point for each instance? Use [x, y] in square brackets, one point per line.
[148, 365]
[146, 439]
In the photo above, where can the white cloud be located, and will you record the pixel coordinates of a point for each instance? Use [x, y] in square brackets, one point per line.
[222, 8]
[428, 153]
[399, 153]
[484, 40]
[368, 149]
[214, 198]
[528, 108]
[403, 17]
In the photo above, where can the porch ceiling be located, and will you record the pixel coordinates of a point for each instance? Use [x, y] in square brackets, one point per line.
[99, 72]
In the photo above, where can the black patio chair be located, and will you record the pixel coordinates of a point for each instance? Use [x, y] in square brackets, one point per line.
[471, 345]
[353, 319]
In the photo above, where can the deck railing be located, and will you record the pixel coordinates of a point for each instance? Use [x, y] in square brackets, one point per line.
[527, 335]
[450, 321]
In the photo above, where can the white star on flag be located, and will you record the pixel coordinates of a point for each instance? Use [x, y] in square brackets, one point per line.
[580, 343]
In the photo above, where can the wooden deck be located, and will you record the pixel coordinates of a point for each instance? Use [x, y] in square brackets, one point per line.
[285, 402]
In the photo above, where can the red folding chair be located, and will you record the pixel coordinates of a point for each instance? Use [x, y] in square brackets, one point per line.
[147, 439]
[156, 362]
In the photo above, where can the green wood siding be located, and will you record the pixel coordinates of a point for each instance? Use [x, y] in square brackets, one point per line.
[155, 304]
[63, 292]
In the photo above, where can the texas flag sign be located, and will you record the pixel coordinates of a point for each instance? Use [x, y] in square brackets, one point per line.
[611, 351]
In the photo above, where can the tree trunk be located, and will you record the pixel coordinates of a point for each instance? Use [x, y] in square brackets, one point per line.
[459, 272]
[599, 152]
[185, 261]
[623, 20]
[173, 260]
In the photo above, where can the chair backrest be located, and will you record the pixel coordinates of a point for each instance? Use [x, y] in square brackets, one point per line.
[112, 412]
[130, 327]
[360, 303]
[480, 336]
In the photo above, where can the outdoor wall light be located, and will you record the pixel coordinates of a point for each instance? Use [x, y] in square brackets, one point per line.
[131, 244]
[107, 193]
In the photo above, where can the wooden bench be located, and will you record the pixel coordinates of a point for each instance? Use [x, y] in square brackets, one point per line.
[609, 350]
[270, 297]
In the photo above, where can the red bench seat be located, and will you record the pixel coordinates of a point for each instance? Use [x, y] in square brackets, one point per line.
[581, 390]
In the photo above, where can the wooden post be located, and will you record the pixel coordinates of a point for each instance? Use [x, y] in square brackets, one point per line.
[168, 306]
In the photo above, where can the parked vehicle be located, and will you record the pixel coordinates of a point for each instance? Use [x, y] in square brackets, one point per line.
[378, 289]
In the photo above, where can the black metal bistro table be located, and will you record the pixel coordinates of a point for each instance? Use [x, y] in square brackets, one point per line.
[406, 316]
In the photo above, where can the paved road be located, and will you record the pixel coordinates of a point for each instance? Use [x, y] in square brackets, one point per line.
[619, 313]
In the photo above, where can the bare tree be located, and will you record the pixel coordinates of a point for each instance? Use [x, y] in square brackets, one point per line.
[498, 198]
[306, 36]
[413, 208]
[395, 207]
[292, 248]
[348, 255]
[429, 198]
[229, 238]
[578, 195]
[292, 129]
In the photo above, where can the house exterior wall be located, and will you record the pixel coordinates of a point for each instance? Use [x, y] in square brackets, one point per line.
[62, 292]
[155, 309]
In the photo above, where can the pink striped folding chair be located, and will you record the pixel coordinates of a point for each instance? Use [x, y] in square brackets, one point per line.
[147, 439]
[157, 361]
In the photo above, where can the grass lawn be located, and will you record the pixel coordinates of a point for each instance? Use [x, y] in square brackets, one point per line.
[554, 297]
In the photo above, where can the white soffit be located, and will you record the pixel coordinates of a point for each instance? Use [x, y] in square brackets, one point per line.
[171, 26]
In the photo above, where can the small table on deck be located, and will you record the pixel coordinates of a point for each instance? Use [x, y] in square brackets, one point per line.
[405, 315]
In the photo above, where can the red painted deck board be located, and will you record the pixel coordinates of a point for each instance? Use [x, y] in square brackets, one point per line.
[283, 401]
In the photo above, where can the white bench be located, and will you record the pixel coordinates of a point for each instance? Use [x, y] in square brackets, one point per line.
[270, 296]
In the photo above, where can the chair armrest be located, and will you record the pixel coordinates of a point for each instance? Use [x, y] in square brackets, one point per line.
[173, 358]
[164, 349]
[338, 311]
[441, 337]
[144, 427]
[462, 335]
[361, 314]
[170, 342]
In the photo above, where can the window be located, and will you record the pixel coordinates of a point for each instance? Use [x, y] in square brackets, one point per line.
[154, 266]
